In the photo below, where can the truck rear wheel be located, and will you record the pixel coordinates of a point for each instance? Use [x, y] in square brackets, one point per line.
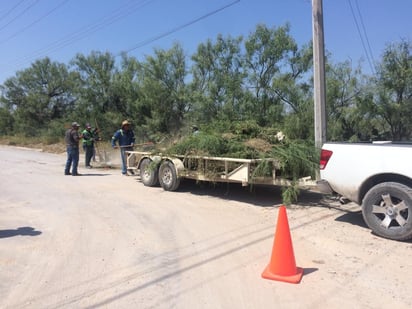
[387, 210]
[168, 176]
[149, 173]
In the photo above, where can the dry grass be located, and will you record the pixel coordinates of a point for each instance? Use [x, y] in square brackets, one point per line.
[33, 143]
[259, 145]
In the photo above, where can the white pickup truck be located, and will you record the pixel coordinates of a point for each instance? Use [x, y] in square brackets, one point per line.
[377, 176]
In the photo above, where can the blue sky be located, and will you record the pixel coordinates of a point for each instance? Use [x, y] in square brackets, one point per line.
[59, 29]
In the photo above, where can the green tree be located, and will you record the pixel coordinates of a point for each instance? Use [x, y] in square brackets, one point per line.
[218, 76]
[6, 121]
[394, 90]
[296, 93]
[125, 95]
[125, 86]
[39, 95]
[97, 100]
[343, 87]
[95, 78]
[163, 97]
[268, 52]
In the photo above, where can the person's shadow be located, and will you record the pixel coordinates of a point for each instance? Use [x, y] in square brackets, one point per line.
[21, 231]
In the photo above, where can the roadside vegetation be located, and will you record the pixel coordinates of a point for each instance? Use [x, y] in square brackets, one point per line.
[242, 92]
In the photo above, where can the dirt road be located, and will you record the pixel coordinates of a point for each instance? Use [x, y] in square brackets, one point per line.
[106, 241]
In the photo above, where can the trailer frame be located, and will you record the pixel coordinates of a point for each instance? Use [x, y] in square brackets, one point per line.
[168, 170]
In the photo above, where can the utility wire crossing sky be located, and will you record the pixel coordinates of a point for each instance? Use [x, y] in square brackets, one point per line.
[355, 30]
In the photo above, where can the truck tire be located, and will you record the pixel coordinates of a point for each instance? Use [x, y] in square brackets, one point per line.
[149, 173]
[387, 210]
[168, 176]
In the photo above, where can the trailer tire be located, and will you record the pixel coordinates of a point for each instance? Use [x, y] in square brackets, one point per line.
[168, 176]
[387, 210]
[148, 173]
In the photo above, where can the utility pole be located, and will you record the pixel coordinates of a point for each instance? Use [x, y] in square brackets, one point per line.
[319, 73]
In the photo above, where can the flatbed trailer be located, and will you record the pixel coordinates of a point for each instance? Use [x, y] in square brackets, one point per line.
[168, 170]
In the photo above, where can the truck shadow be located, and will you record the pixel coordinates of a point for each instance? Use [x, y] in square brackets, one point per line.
[353, 217]
[351, 213]
[259, 195]
[270, 196]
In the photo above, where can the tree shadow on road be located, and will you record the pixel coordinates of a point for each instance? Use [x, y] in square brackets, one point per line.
[21, 231]
[258, 195]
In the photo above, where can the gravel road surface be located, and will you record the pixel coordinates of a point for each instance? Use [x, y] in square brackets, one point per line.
[104, 240]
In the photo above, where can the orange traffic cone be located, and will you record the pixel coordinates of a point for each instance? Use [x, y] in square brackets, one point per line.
[282, 266]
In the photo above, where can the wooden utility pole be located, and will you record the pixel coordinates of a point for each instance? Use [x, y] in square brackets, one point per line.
[319, 73]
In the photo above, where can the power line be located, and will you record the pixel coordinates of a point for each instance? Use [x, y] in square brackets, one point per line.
[83, 32]
[364, 31]
[19, 15]
[151, 40]
[110, 19]
[34, 22]
[368, 57]
[12, 9]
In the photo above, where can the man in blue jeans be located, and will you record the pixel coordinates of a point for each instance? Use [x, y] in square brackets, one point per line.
[125, 139]
[72, 138]
[89, 137]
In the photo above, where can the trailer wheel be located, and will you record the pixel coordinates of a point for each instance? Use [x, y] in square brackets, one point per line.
[387, 210]
[168, 176]
[149, 173]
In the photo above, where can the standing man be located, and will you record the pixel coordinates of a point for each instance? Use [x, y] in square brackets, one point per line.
[72, 138]
[125, 138]
[89, 136]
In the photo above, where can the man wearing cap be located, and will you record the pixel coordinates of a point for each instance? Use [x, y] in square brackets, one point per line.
[125, 139]
[89, 136]
[72, 138]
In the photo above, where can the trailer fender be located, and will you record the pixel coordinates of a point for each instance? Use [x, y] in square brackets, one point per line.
[178, 166]
[156, 159]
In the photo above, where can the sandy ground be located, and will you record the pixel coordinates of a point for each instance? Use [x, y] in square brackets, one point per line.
[106, 241]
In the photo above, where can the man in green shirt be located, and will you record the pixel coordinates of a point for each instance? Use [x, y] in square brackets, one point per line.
[89, 137]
